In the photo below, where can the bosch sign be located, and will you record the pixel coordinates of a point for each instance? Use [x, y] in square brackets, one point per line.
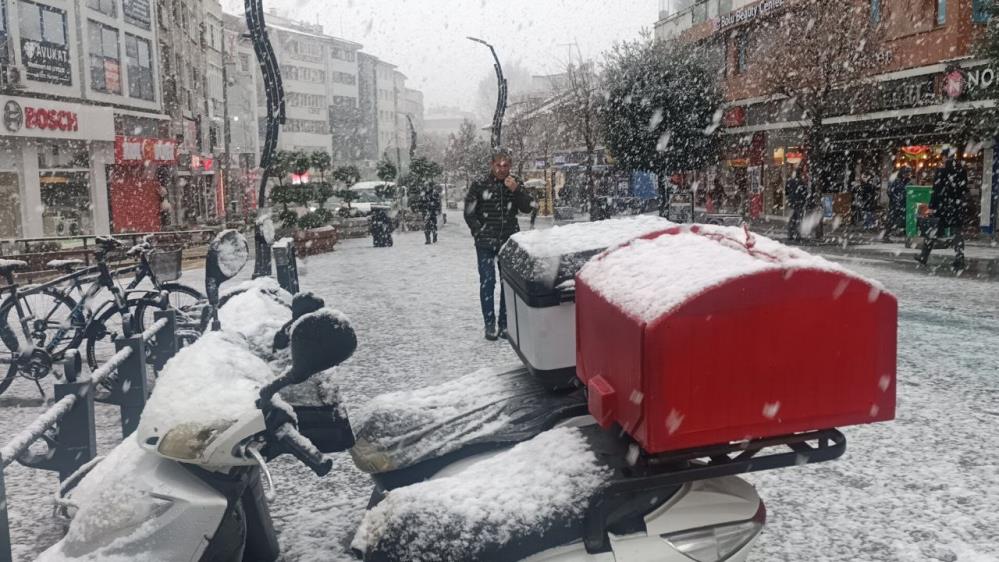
[28, 117]
[50, 119]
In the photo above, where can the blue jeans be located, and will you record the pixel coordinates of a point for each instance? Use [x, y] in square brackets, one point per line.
[487, 287]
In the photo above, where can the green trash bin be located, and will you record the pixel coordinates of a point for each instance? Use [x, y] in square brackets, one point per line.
[915, 195]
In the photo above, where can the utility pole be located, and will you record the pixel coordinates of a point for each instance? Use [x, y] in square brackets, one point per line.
[228, 198]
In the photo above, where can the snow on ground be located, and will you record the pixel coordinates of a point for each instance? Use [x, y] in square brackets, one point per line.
[924, 487]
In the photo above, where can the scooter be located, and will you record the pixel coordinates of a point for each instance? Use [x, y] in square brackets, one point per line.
[546, 484]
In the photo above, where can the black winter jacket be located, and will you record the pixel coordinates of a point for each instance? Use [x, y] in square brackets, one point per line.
[950, 194]
[491, 210]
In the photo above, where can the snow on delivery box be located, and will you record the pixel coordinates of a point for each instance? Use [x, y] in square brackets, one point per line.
[539, 269]
[702, 335]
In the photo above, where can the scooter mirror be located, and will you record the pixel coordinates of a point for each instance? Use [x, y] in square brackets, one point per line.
[227, 254]
[320, 340]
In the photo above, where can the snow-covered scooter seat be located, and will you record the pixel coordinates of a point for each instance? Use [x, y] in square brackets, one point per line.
[406, 437]
[521, 501]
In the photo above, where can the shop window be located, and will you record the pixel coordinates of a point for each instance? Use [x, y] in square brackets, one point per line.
[105, 58]
[64, 178]
[106, 7]
[724, 7]
[941, 12]
[980, 11]
[140, 68]
[10, 206]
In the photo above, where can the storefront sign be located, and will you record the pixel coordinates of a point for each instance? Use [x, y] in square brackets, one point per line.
[136, 150]
[28, 117]
[734, 116]
[748, 14]
[137, 12]
[47, 62]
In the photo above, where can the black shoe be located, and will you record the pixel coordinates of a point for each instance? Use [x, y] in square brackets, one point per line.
[503, 333]
[491, 334]
[920, 260]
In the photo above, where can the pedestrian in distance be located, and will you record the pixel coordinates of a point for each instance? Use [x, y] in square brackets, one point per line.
[431, 208]
[491, 208]
[796, 194]
[948, 206]
[895, 217]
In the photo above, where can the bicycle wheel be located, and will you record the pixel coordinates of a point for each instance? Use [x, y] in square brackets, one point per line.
[104, 332]
[185, 300]
[9, 377]
[51, 312]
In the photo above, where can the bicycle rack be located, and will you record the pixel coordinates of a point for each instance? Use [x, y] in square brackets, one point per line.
[68, 429]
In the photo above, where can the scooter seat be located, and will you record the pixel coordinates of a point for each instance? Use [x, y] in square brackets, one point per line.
[406, 437]
[527, 499]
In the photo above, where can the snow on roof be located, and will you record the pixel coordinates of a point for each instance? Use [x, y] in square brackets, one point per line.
[363, 185]
[497, 501]
[587, 236]
[215, 379]
[649, 278]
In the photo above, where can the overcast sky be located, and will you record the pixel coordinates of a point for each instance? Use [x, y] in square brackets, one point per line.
[426, 38]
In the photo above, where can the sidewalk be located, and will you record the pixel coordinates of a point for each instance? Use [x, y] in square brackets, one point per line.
[981, 255]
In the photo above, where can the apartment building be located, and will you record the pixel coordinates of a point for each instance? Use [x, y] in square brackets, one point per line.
[83, 137]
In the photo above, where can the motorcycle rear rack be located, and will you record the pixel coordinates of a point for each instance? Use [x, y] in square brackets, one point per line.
[669, 470]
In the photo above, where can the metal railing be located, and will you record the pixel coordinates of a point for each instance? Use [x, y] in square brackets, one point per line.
[68, 428]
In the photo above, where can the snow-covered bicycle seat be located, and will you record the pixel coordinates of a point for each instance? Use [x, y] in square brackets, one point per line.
[68, 266]
[6, 266]
[406, 437]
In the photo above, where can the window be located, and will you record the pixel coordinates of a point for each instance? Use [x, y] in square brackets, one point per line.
[875, 11]
[724, 7]
[140, 68]
[106, 7]
[105, 58]
[742, 54]
[980, 11]
[45, 26]
[4, 56]
[941, 12]
[344, 78]
[699, 13]
[244, 62]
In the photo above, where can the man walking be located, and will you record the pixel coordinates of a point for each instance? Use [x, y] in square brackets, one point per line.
[948, 204]
[431, 208]
[491, 208]
[896, 202]
[796, 194]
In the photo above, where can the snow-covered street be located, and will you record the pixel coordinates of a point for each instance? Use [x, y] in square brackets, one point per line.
[923, 487]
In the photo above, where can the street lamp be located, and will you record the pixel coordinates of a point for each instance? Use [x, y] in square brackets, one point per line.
[500, 96]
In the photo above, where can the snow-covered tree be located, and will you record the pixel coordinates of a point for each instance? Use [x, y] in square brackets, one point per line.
[662, 107]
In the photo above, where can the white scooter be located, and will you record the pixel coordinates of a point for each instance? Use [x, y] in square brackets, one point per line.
[539, 482]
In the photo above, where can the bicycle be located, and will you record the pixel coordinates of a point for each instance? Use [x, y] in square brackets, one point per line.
[52, 321]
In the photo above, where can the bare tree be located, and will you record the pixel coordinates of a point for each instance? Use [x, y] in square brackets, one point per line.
[577, 108]
[825, 49]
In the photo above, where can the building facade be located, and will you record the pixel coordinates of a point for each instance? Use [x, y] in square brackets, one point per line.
[83, 136]
[923, 90]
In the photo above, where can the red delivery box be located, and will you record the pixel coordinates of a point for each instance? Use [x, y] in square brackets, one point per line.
[702, 335]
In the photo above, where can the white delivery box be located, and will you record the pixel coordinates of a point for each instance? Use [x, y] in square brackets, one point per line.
[538, 269]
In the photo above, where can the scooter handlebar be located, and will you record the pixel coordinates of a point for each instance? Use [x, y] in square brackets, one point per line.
[302, 449]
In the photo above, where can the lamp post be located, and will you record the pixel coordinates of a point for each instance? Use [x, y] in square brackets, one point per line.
[274, 91]
[500, 96]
